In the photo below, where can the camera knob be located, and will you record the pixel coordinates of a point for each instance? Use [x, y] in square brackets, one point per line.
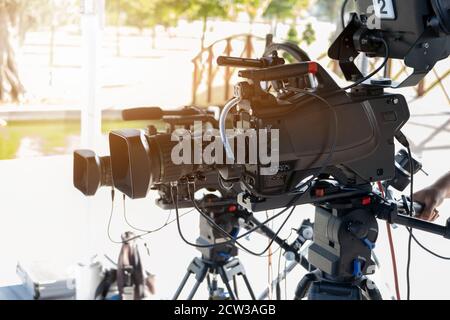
[358, 230]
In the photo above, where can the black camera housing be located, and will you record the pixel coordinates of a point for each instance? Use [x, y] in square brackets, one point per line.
[418, 35]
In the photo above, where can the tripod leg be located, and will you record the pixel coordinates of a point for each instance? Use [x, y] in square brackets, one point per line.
[235, 285]
[181, 287]
[201, 275]
[226, 281]
[304, 286]
[371, 289]
[208, 281]
[194, 290]
[281, 277]
[249, 287]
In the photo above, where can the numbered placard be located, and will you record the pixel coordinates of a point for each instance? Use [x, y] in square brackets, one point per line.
[384, 9]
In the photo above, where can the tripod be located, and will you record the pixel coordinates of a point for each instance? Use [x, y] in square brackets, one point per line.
[203, 269]
[219, 260]
[318, 287]
[345, 232]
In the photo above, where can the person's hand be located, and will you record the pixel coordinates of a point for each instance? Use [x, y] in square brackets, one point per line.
[432, 198]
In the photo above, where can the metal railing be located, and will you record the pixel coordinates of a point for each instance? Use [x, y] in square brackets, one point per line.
[206, 70]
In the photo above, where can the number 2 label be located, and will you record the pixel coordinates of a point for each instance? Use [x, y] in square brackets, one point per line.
[384, 9]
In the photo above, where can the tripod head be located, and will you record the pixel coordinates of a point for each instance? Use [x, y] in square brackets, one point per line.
[346, 230]
[226, 214]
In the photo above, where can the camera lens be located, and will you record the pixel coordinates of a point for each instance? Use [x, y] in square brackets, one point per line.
[140, 161]
[130, 162]
[91, 172]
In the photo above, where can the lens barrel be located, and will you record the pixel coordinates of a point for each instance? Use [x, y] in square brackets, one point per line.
[140, 161]
[91, 172]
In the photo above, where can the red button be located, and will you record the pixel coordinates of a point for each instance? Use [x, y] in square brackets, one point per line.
[366, 201]
[313, 67]
[320, 193]
[232, 209]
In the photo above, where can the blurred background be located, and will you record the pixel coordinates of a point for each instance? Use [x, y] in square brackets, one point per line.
[67, 69]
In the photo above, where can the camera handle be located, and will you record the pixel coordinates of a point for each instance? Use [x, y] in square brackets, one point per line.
[392, 215]
[295, 70]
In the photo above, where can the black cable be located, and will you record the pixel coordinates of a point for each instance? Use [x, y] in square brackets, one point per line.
[278, 249]
[225, 242]
[410, 230]
[226, 234]
[214, 224]
[344, 6]
[326, 161]
[411, 213]
[285, 279]
[278, 288]
[290, 205]
[369, 76]
[138, 236]
[278, 232]
[113, 196]
[408, 266]
[404, 141]
[139, 229]
[428, 250]
[416, 240]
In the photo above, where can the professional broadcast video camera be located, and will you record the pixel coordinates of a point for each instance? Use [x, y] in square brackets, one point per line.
[220, 213]
[347, 135]
[332, 144]
[92, 172]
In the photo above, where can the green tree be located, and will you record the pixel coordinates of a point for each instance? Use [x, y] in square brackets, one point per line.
[253, 8]
[138, 13]
[281, 10]
[34, 14]
[145, 13]
[204, 10]
[309, 35]
[17, 17]
[331, 10]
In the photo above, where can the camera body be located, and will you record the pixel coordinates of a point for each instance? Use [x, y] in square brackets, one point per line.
[321, 130]
[367, 121]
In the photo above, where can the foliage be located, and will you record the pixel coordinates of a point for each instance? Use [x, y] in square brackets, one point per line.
[37, 13]
[329, 10]
[139, 13]
[309, 35]
[145, 13]
[285, 9]
[149, 13]
[205, 9]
